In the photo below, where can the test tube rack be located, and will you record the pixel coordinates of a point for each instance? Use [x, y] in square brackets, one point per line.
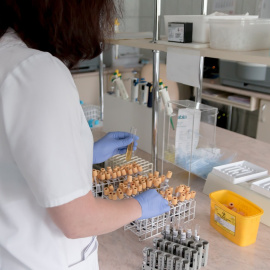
[91, 111]
[120, 160]
[151, 227]
[129, 183]
[190, 254]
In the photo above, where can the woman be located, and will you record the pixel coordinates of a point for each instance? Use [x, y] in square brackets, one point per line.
[48, 215]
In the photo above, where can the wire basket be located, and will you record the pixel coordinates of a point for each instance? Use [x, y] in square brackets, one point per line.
[150, 227]
[120, 160]
[92, 113]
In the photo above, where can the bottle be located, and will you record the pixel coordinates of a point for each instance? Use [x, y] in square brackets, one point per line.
[150, 95]
[143, 95]
[134, 89]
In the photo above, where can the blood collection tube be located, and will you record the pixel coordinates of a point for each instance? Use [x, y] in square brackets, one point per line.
[129, 191]
[188, 195]
[129, 153]
[149, 182]
[114, 196]
[174, 201]
[193, 194]
[111, 188]
[120, 195]
[197, 232]
[106, 191]
[140, 188]
[135, 170]
[134, 191]
[182, 197]
[175, 223]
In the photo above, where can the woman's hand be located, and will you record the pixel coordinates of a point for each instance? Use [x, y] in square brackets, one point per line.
[112, 144]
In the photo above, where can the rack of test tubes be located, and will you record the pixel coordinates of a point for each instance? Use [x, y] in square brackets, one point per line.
[120, 160]
[120, 174]
[182, 205]
[178, 249]
[130, 180]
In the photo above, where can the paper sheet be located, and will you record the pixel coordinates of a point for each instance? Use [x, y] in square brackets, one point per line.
[183, 66]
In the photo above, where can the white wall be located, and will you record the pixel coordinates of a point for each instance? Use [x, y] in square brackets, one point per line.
[138, 14]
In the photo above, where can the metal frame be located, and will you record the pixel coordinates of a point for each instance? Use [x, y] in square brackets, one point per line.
[156, 61]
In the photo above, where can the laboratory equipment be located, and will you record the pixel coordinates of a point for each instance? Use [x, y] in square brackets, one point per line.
[164, 94]
[239, 172]
[200, 31]
[134, 89]
[92, 114]
[119, 85]
[262, 186]
[135, 177]
[248, 76]
[130, 151]
[173, 255]
[189, 137]
[86, 66]
[143, 93]
[239, 34]
[238, 228]
[180, 32]
[150, 95]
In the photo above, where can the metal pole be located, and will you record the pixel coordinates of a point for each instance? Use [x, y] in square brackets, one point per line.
[198, 97]
[101, 87]
[204, 7]
[229, 117]
[157, 9]
[156, 58]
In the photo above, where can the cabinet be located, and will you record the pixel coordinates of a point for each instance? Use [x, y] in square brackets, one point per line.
[263, 128]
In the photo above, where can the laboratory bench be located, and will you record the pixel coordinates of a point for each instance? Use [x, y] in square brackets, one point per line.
[123, 250]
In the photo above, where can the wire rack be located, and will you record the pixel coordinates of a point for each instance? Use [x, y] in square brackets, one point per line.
[91, 111]
[120, 160]
[151, 227]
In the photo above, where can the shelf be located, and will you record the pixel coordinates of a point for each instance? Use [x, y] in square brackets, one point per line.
[252, 106]
[215, 84]
[259, 57]
[222, 93]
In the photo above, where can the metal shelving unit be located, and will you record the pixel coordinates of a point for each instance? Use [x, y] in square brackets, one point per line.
[261, 57]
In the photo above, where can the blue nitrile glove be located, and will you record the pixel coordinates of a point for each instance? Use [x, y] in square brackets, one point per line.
[152, 203]
[111, 144]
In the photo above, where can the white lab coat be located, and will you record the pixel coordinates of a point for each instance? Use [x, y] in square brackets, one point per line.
[45, 160]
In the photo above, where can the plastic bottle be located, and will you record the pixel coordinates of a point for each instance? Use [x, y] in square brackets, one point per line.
[150, 95]
[143, 94]
[134, 89]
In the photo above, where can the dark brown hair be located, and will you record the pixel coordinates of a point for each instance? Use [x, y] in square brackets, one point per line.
[71, 30]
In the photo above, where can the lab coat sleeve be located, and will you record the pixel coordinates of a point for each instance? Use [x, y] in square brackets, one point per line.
[43, 122]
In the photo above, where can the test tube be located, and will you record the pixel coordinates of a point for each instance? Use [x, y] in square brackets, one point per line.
[197, 232]
[175, 227]
[133, 131]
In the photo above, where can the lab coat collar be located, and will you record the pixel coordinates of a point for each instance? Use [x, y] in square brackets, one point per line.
[10, 38]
